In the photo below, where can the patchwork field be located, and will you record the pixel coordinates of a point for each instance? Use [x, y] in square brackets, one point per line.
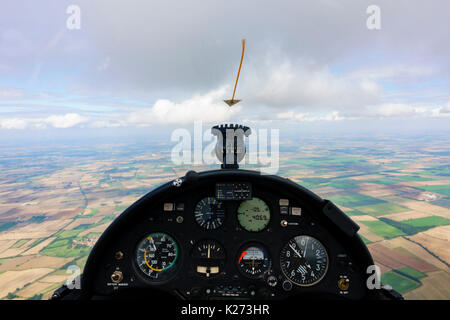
[55, 203]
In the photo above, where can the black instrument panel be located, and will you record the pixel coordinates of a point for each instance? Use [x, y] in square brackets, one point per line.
[222, 235]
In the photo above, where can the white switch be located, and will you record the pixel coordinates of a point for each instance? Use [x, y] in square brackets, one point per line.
[168, 206]
[296, 211]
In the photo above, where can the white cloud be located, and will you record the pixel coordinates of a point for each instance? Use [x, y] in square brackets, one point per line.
[13, 123]
[341, 70]
[393, 110]
[105, 124]
[207, 108]
[399, 110]
[396, 71]
[336, 35]
[285, 115]
[210, 108]
[65, 121]
[311, 88]
[56, 121]
[441, 112]
[305, 116]
[381, 111]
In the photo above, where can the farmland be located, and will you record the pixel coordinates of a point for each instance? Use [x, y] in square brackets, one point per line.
[55, 203]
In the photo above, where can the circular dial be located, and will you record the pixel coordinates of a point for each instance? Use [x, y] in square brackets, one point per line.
[253, 215]
[156, 256]
[208, 258]
[304, 260]
[209, 213]
[254, 261]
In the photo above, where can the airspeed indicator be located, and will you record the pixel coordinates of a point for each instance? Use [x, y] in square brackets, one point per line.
[156, 256]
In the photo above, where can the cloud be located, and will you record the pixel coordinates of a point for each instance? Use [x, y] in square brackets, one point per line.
[441, 112]
[295, 84]
[56, 121]
[65, 121]
[208, 108]
[393, 110]
[13, 123]
[105, 124]
[302, 116]
[394, 71]
[446, 108]
[381, 111]
[310, 61]
[184, 52]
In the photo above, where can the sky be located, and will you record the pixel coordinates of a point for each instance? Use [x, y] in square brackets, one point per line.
[158, 65]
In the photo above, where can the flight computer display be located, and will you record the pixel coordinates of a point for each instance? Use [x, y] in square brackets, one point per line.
[233, 191]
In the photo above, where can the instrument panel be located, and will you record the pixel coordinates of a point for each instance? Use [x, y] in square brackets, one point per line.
[230, 238]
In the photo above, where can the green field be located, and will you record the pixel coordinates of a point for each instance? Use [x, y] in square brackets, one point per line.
[399, 164]
[387, 179]
[441, 189]
[400, 283]
[412, 178]
[343, 185]
[411, 272]
[64, 248]
[437, 171]
[355, 213]
[68, 233]
[93, 211]
[384, 179]
[354, 200]
[413, 226]
[326, 162]
[366, 241]
[105, 219]
[381, 209]
[383, 229]
[312, 182]
[432, 221]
